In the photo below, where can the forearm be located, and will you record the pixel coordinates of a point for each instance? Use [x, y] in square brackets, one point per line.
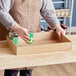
[6, 19]
[48, 12]
[51, 18]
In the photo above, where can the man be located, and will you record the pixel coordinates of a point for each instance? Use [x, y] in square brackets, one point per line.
[24, 16]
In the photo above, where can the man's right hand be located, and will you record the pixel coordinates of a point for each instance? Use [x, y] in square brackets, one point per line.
[22, 32]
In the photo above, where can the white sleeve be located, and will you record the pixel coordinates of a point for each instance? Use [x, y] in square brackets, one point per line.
[5, 18]
[48, 12]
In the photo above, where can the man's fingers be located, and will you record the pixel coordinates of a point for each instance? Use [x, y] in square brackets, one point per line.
[64, 33]
[24, 38]
[25, 35]
[59, 34]
[26, 32]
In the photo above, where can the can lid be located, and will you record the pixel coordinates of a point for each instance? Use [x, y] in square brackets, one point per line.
[14, 34]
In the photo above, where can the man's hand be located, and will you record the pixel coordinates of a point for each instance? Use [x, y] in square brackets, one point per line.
[22, 32]
[60, 31]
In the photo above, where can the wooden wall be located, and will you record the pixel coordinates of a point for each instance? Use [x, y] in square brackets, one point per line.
[2, 32]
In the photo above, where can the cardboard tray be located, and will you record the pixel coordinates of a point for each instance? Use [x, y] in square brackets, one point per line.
[44, 42]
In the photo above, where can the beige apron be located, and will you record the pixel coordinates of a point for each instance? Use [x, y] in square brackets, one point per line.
[27, 14]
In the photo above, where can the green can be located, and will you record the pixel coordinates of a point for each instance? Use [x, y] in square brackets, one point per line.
[14, 37]
[15, 40]
[31, 38]
[10, 34]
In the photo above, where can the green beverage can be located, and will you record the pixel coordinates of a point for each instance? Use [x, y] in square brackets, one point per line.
[15, 40]
[31, 38]
[10, 34]
[14, 37]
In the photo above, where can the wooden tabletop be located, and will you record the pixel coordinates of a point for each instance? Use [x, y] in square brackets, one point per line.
[9, 60]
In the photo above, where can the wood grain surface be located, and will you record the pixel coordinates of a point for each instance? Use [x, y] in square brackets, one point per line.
[56, 70]
[44, 42]
[9, 60]
[2, 32]
[53, 70]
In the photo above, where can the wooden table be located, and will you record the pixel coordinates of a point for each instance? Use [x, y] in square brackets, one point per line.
[9, 60]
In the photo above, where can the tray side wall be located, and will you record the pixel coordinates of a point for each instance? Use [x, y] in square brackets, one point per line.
[40, 36]
[12, 45]
[44, 48]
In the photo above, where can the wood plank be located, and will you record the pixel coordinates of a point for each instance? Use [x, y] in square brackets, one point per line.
[53, 70]
[43, 48]
[11, 45]
[56, 70]
[9, 60]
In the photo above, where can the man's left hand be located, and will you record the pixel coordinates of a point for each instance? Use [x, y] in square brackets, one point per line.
[60, 31]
